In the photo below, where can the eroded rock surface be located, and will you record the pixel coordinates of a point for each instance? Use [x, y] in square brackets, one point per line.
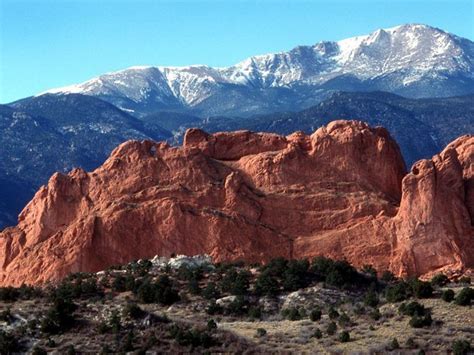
[342, 192]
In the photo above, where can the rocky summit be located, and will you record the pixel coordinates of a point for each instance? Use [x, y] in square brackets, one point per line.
[412, 60]
[342, 192]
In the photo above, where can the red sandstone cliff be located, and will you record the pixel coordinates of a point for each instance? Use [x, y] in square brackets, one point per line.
[342, 192]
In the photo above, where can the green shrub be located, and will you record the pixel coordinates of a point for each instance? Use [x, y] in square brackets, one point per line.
[344, 320]
[223, 267]
[387, 276]
[127, 343]
[398, 292]
[133, 311]
[337, 273]
[359, 309]
[394, 344]
[213, 308]
[371, 298]
[342, 274]
[236, 282]
[59, 317]
[8, 343]
[115, 322]
[70, 350]
[375, 314]
[118, 285]
[165, 293]
[105, 350]
[211, 324]
[261, 332]
[239, 306]
[144, 267]
[412, 309]
[161, 291]
[317, 333]
[411, 344]
[102, 327]
[130, 283]
[335, 278]
[421, 289]
[89, 288]
[37, 350]
[211, 291]
[333, 313]
[185, 273]
[331, 328]
[33, 324]
[139, 267]
[292, 313]
[276, 267]
[321, 266]
[193, 287]
[417, 321]
[439, 280]
[448, 295]
[465, 280]
[464, 297]
[295, 275]
[6, 315]
[369, 269]
[193, 337]
[255, 312]
[267, 284]
[149, 343]
[461, 347]
[146, 292]
[344, 337]
[78, 285]
[24, 292]
[315, 314]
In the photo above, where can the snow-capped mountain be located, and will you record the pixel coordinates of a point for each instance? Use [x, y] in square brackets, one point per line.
[412, 60]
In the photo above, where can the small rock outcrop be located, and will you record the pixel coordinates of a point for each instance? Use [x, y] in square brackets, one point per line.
[342, 192]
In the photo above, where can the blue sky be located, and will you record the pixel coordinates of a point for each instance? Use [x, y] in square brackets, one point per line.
[47, 43]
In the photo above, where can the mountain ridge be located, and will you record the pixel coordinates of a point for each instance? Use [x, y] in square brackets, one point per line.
[422, 127]
[413, 60]
[75, 123]
[57, 133]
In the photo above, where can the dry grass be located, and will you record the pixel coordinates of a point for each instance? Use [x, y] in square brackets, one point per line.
[457, 323]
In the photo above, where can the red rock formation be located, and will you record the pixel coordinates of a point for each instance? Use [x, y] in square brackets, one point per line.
[252, 196]
[434, 226]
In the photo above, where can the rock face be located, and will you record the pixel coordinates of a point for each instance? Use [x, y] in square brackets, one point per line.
[434, 225]
[342, 192]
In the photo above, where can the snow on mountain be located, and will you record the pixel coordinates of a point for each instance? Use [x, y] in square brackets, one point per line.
[405, 59]
[194, 83]
[417, 48]
[125, 87]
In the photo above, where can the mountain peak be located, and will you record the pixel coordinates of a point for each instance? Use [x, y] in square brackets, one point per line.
[410, 27]
[406, 59]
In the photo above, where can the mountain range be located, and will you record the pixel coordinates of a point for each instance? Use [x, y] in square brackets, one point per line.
[302, 89]
[422, 127]
[56, 133]
[412, 60]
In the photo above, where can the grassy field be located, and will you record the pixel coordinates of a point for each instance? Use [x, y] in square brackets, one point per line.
[287, 307]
